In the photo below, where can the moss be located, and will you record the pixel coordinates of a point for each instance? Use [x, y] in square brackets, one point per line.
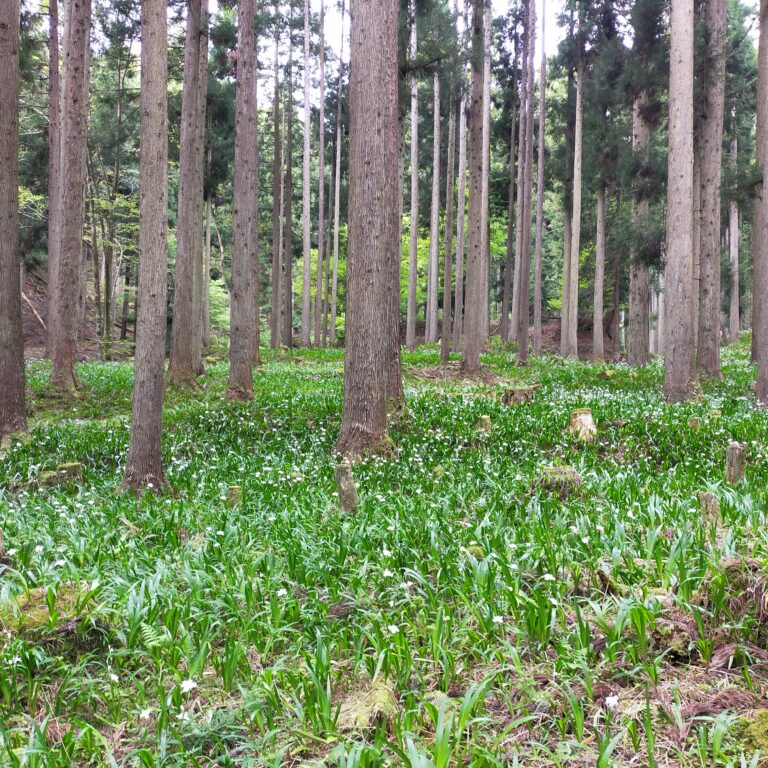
[363, 707]
[234, 496]
[756, 730]
[476, 552]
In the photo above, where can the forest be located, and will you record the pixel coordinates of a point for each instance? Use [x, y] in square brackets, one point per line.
[383, 383]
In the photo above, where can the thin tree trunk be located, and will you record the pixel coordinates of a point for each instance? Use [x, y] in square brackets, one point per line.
[182, 369]
[639, 277]
[445, 345]
[288, 223]
[64, 324]
[734, 238]
[696, 269]
[525, 261]
[144, 467]
[328, 266]
[13, 414]
[244, 298]
[413, 252]
[277, 171]
[373, 225]
[306, 296]
[760, 233]
[207, 277]
[485, 321]
[461, 208]
[678, 324]
[537, 290]
[321, 188]
[199, 199]
[474, 330]
[434, 223]
[126, 302]
[598, 351]
[572, 321]
[709, 333]
[54, 161]
[509, 263]
[337, 191]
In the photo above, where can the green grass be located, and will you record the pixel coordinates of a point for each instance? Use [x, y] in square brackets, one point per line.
[466, 616]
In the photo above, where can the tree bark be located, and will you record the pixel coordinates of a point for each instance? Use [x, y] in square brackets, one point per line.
[678, 323]
[207, 277]
[570, 332]
[288, 223]
[760, 233]
[321, 189]
[54, 160]
[474, 332]
[413, 252]
[434, 222]
[13, 414]
[244, 296]
[537, 290]
[373, 226]
[525, 261]
[64, 324]
[126, 302]
[337, 191]
[598, 351]
[277, 171]
[461, 208]
[708, 346]
[639, 277]
[509, 263]
[734, 242]
[445, 337]
[485, 322]
[183, 369]
[306, 296]
[144, 466]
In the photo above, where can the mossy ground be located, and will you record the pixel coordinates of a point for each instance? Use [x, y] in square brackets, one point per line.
[512, 625]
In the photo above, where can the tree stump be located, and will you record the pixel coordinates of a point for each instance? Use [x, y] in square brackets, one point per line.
[346, 485]
[583, 426]
[735, 463]
[561, 480]
[709, 505]
[519, 395]
[483, 424]
[64, 474]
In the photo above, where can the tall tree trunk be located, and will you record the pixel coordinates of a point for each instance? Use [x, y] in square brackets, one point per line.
[474, 331]
[708, 346]
[434, 223]
[328, 252]
[144, 467]
[461, 208]
[199, 199]
[54, 160]
[64, 324]
[485, 321]
[696, 270]
[537, 290]
[760, 233]
[570, 332]
[288, 223]
[445, 338]
[509, 262]
[678, 324]
[598, 351]
[277, 171]
[13, 414]
[373, 227]
[321, 188]
[244, 298]
[413, 252]
[337, 191]
[207, 277]
[522, 154]
[183, 368]
[525, 261]
[306, 296]
[126, 302]
[639, 277]
[734, 241]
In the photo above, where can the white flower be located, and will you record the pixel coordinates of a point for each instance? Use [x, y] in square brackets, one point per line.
[548, 577]
[393, 629]
[282, 592]
[388, 573]
[386, 552]
[12, 551]
[553, 601]
[184, 716]
[114, 678]
[145, 714]
[612, 702]
[498, 619]
[39, 548]
[188, 685]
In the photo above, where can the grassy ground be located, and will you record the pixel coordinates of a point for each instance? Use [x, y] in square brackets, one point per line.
[468, 615]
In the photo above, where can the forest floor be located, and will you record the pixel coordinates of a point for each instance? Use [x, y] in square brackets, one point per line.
[475, 611]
